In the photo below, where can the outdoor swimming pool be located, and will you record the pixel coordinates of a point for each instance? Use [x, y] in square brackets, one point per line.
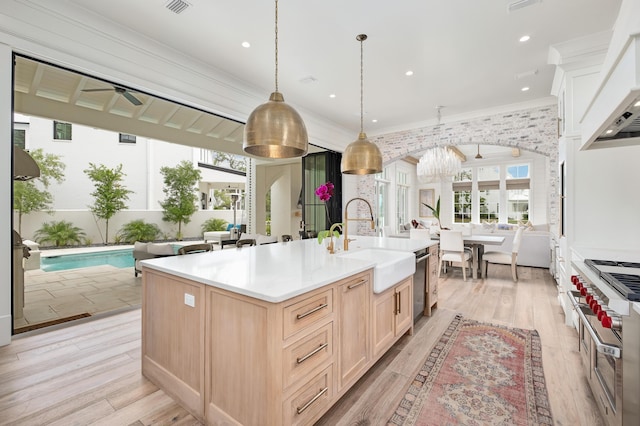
[118, 258]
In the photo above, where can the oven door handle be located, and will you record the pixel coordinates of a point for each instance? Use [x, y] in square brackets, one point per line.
[601, 347]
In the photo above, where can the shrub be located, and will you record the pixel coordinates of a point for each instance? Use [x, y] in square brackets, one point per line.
[60, 233]
[214, 224]
[139, 230]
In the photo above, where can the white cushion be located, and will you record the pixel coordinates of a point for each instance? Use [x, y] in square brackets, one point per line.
[245, 236]
[266, 239]
[488, 226]
[138, 246]
[162, 249]
[497, 257]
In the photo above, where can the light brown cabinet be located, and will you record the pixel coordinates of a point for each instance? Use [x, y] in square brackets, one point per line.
[431, 301]
[232, 359]
[355, 341]
[392, 315]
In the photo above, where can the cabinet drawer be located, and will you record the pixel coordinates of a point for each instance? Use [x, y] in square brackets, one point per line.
[304, 355]
[309, 402]
[306, 312]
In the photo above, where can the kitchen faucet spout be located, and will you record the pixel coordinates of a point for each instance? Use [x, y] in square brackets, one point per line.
[346, 220]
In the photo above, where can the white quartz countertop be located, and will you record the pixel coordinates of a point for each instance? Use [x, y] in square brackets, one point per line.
[277, 272]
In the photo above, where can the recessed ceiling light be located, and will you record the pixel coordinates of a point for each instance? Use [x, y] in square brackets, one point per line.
[525, 88]
[637, 104]
[408, 73]
[246, 44]
[333, 95]
[374, 120]
[524, 38]
[608, 132]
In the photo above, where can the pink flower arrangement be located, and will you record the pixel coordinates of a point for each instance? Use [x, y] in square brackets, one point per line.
[325, 191]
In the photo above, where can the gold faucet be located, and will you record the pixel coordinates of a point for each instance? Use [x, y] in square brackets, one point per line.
[346, 220]
[331, 247]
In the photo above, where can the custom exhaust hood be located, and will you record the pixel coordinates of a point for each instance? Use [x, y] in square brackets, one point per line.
[24, 167]
[613, 117]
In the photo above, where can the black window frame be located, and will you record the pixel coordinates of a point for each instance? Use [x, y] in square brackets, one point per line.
[63, 135]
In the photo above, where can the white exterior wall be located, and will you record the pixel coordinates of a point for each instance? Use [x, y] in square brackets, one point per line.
[141, 162]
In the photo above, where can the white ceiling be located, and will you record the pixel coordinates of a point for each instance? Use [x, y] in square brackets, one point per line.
[465, 54]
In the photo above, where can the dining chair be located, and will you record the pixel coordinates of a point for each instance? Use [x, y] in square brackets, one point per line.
[505, 258]
[246, 242]
[452, 249]
[195, 248]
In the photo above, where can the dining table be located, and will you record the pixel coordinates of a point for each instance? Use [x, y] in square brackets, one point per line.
[477, 243]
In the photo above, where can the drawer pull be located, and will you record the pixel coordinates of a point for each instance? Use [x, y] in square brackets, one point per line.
[316, 309]
[312, 353]
[300, 410]
[359, 283]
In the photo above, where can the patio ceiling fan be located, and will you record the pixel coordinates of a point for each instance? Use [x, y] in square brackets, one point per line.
[121, 90]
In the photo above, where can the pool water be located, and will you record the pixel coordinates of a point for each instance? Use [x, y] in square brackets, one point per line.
[118, 258]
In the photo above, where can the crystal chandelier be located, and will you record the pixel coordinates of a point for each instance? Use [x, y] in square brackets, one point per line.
[438, 164]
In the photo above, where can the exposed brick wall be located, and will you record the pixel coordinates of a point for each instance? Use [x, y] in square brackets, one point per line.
[533, 129]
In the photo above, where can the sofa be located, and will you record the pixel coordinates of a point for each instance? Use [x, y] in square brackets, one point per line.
[218, 236]
[143, 251]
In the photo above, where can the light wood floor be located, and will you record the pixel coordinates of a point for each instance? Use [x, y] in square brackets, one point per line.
[90, 373]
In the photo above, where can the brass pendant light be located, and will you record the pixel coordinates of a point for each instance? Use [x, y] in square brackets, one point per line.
[274, 129]
[362, 157]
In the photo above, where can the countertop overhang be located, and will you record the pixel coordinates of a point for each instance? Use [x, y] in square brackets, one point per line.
[280, 271]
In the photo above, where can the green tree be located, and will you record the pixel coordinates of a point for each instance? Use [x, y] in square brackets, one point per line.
[222, 200]
[33, 195]
[60, 233]
[181, 194]
[110, 195]
[235, 162]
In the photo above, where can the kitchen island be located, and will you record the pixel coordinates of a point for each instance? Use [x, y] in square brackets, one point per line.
[272, 334]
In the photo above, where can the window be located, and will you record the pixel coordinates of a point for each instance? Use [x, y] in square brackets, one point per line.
[402, 200]
[61, 131]
[19, 136]
[489, 193]
[382, 196]
[502, 194]
[125, 138]
[517, 183]
[462, 197]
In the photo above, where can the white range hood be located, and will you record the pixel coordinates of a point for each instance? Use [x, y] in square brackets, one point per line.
[612, 119]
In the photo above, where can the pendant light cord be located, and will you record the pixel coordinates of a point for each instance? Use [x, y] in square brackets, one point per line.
[361, 38]
[276, 45]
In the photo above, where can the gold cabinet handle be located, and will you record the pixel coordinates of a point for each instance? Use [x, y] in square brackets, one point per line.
[359, 283]
[300, 410]
[316, 309]
[395, 304]
[399, 303]
[312, 353]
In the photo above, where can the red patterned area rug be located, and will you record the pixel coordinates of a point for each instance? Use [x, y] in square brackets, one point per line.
[479, 374]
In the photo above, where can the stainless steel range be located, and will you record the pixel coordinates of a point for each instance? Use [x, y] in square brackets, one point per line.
[609, 335]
